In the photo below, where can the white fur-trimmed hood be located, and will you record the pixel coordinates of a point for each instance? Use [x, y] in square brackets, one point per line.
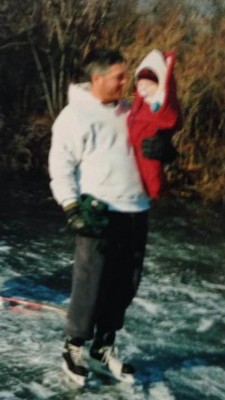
[156, 62]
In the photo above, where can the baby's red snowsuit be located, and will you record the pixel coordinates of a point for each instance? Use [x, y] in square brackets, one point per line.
[144, 123]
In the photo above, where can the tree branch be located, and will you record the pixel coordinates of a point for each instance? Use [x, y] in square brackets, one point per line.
[12, 44]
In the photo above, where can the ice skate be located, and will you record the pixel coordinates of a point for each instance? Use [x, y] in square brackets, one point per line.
[105, 361]
[74, 364]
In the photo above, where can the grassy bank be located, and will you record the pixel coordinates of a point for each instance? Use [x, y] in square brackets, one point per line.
[51, 38]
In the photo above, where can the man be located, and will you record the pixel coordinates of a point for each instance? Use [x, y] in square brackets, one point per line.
[94, 177]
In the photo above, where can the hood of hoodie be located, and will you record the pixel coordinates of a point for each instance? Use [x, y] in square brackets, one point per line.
[79, 93]
[81, 99]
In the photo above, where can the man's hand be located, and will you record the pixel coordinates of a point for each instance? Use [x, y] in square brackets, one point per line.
[88, 216]
[159, 147]
[74, 219]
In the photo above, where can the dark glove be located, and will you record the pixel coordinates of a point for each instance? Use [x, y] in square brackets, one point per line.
[88, 216]
[74, 219]
[159, 147]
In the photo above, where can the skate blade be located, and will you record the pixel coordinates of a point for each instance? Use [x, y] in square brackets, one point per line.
[78, 379]
[100, 369]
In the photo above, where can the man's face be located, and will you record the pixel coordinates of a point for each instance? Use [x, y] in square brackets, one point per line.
[109, 86]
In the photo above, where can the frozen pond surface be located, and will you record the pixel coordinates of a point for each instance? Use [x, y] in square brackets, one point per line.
[175, 328]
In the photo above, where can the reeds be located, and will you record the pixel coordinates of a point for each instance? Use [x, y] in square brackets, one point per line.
[53, 36]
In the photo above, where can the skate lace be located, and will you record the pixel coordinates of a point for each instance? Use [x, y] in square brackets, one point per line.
[77, 355]
[109, 352]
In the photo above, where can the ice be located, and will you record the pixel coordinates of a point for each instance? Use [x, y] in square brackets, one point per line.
[174, 329]
[5, 395]
[160, 392]
[199, 382]
[31, 255]
[214, 286]
[204, 325]
[39, 391]
[151, 308]
[4, 249]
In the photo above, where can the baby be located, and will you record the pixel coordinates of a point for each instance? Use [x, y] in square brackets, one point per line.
[155, 113]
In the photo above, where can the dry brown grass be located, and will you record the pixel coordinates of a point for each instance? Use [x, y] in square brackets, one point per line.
[65, 30]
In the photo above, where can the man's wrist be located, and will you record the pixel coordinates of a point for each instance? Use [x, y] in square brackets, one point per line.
[70, 207]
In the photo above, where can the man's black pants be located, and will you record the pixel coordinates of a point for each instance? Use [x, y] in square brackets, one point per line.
[106, 275]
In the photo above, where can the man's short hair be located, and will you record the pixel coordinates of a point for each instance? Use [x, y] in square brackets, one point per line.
[100, 60]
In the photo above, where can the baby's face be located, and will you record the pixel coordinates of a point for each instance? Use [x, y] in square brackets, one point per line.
[146, 87]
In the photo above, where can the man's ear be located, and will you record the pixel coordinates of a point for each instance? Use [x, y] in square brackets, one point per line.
[96, 78]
